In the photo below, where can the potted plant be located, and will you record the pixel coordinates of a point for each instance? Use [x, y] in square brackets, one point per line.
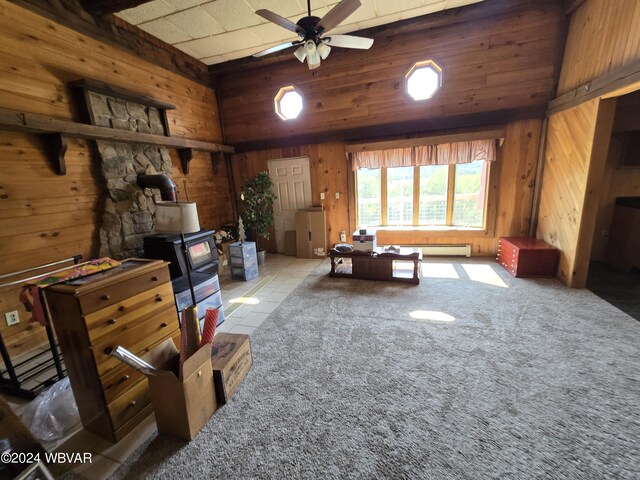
[257, 214]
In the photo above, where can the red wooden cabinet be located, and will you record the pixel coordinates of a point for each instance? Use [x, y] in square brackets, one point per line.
[527, 257]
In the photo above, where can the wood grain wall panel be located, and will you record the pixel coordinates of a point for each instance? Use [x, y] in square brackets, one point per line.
[566, 165]
[329, 174]
[501, 62]
[603, 37]
[45, 217]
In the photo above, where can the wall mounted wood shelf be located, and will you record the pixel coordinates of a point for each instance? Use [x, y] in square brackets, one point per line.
[61, 129]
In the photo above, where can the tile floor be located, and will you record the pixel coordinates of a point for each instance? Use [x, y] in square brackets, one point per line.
[246, 305]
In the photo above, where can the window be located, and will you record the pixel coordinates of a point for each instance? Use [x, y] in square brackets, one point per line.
[288, 103]
[423, 80]
[434, 195]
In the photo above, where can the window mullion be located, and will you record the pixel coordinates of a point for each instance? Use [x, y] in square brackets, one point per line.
[451, 185]
[383, 193]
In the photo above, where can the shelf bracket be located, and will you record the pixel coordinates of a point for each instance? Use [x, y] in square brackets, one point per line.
[186, 155]
[217, 158]
[56, 147]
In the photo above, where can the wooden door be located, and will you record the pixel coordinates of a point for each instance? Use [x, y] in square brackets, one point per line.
[292, 185]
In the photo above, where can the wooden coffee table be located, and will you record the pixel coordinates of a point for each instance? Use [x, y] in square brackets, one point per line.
[377, 265]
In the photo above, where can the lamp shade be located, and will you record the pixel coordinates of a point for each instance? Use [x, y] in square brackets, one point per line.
[177, 217]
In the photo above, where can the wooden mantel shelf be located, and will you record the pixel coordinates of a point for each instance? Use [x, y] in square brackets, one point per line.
[57, 131]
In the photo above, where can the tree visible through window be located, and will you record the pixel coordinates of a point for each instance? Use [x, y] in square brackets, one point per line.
[453, 195]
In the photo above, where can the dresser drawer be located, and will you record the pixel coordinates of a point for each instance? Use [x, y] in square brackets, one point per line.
[136, 339]
[130, 403]
[118, 381]
[117, 292]
[122, 316]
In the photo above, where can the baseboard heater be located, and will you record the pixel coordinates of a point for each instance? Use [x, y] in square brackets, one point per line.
[445, 250]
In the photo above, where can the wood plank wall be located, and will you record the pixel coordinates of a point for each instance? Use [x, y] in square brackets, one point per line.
[603, 37]
[45, 217]
[329, 174]
[574, 182]
[504, 61]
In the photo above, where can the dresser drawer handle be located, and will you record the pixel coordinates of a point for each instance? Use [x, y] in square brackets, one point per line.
[158, 298]
[108, 350]
[154, 279]
[111, 321]
[106, 297]
[132, 403]
[164, 325]
[124, 378]
[121, 308]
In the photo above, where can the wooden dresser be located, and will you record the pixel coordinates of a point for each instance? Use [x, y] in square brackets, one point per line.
[131, 306]
[527, 257]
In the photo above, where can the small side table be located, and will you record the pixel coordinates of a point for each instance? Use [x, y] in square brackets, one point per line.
[527, 257]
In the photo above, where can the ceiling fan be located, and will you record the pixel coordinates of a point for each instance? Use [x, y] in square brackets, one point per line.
[314, 45]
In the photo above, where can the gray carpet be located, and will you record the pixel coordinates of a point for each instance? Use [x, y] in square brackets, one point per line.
[530, 381]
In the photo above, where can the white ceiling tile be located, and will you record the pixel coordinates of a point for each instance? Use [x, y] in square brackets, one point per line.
[416, 12]
[184, 4]
[270, 32]
[203, 47]
[232, 14]
[195, 22]
[240, 39]
[386, 7]
[284, 8]
[460, 3]
[214, 59]
[227, 29]
[146, 12]
[168, 32]
[366, 11]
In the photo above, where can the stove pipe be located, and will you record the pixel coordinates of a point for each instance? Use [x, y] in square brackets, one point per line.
[167, 188]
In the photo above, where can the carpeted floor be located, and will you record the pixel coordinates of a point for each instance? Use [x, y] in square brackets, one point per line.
[496, 377]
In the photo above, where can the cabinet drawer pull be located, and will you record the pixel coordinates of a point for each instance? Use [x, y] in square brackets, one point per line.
[158, 299]
[154, 279]
[108, 350]
[122, 308]
[132, 403]
[124, 378]
[111, 321]
[106, 297]
[164, 324]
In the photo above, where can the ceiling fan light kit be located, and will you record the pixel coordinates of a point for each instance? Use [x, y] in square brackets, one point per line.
[313, 46]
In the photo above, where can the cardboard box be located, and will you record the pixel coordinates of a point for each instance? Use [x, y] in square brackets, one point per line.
[290, 243]
[230, 360]
[364, 241]
[182, 407]
[311, 233]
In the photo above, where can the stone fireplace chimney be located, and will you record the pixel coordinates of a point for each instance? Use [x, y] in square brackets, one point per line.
[128, 209]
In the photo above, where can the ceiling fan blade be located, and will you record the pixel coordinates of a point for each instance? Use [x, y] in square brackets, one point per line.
[348, 41]
[337, 14]
[278, 20]
[277, 48]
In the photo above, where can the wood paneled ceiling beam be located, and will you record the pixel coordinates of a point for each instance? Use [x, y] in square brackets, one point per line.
[601, 86]
[103, 7]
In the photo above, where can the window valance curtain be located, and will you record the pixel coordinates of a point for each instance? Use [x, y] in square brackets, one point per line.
[442, 154]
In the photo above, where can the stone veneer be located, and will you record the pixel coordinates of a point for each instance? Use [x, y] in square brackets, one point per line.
[128, 210]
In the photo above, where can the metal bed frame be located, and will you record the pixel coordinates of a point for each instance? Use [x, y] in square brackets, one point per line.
[14, 375]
